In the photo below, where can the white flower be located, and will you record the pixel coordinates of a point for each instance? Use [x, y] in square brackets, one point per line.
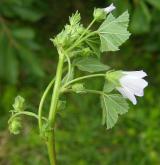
[132, 84]
[110, 8]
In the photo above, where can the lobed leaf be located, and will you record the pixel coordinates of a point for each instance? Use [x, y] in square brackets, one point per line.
[112, 106]
[113, 32]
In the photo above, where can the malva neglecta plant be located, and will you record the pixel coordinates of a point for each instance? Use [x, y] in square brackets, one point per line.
[80, 48]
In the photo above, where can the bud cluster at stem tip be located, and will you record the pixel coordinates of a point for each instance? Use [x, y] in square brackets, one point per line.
[19, 104]
[15, 126]
[15, 122]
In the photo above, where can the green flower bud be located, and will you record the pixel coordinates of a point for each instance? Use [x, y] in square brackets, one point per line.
[114, 76]
[81, 29]
[19, 104]
[15, 126]
[99, 14]
[86, 52]
[78, 88]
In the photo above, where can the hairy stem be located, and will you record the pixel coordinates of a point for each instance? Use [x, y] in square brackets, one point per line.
[53, 106]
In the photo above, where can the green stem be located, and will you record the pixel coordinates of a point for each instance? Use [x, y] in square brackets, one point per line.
[42, 102]
[82, 78]
[51, 148]
[94, 91]
[86, 91]
[53, 106]
[40, 108]
[81, 40]
[69, 67]
[89, 26]
[25, 113]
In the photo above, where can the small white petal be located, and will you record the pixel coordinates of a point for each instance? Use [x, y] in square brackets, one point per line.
[110, 8]
[128, 94]
[138, 74]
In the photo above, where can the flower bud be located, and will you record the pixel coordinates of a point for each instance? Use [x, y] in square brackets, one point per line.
[15, 126]
[19, 104]
[78, 88]
[99, 14]
[86, 52]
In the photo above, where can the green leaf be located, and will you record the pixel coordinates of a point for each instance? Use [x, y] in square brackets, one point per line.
[108, 87]
[8, 61]
[11, 65]
[29, 14]
[94, 44]
[155, 3]
[112, 106]
[113, 32]
[3, 43]
[23, 33]
[69, 77]
[30, 59]
[141, 19]
[90, 64]
[75, 18]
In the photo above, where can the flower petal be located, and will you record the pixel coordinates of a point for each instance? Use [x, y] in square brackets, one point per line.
[136, 82]
[127, 94]
[110, 8]
[138, 74]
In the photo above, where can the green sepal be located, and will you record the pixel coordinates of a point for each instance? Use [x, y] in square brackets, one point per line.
[113, 77]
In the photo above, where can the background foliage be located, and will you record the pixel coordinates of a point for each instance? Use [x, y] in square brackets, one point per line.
[28, 61]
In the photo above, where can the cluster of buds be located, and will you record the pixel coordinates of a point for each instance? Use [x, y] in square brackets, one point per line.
[15, 122]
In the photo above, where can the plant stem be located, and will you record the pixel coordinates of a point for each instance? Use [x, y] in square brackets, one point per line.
[25, 113]
[81, 40]
[81, 36]
[69, 66]
[89, 26]
[53, 106]
[82, 78]
[51, 148]
[42, 102]
[40, 108]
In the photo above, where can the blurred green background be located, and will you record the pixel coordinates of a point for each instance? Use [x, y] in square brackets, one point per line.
[28, 62]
